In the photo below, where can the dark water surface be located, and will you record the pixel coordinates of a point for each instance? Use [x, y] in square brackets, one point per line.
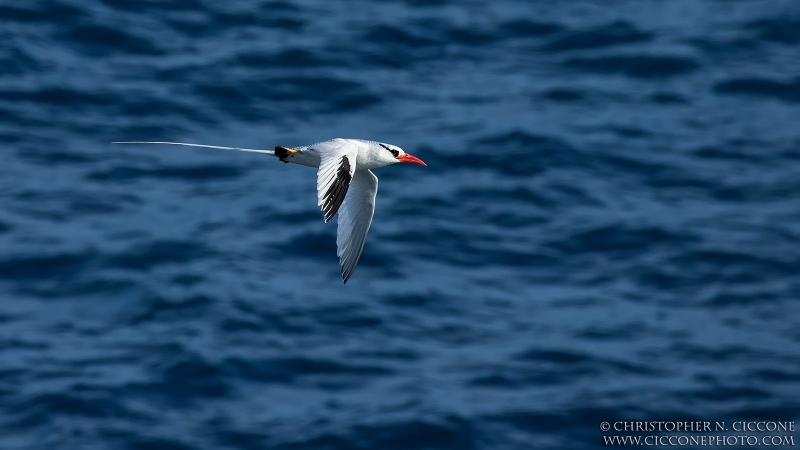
[607, 229]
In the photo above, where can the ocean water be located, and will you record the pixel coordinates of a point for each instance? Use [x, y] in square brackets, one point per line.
[607, 229]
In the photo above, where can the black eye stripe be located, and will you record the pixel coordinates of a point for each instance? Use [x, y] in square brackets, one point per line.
[392, 151]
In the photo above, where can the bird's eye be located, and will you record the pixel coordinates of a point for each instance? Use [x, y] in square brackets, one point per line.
[391, 150]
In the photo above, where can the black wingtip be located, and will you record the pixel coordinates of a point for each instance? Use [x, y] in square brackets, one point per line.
[346, 275]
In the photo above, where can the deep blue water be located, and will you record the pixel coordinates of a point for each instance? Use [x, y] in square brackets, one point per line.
[607, 229]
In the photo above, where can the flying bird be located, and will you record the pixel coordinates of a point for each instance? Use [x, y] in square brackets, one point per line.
[345, 184]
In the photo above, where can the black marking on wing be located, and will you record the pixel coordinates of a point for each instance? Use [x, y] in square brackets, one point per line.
[338, 189]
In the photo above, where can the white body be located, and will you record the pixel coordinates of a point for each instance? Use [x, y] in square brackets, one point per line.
[345, 184]
[369, 154]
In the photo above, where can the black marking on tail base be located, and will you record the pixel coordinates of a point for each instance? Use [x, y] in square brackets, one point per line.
[283, 153]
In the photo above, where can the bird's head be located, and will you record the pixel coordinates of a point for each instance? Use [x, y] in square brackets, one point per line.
[399, 155]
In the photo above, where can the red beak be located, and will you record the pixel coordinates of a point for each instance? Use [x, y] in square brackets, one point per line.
[406, 158]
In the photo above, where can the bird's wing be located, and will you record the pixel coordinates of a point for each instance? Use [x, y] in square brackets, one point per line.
[336, 167]
[355, 217]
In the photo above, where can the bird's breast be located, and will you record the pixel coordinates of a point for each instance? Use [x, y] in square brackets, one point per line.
[367, 159]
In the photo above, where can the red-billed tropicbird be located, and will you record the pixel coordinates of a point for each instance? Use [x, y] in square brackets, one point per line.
[345, 184]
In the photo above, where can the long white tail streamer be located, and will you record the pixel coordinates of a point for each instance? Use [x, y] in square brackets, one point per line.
[252, 150]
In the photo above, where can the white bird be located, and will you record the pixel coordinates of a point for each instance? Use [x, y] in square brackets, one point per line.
[345, 184]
